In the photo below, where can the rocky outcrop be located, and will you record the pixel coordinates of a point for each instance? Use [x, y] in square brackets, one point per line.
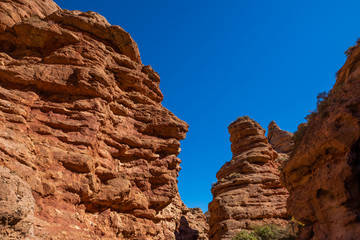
[82, 123]
[17, 206]
[193, 225]
[280, 140]
[323, 174]
[15, 11]
[248, 192]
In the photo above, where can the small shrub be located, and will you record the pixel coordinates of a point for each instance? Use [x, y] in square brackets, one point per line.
[322, 104]
[266, 232]
[351, 49]
[36, 18]
[272, 232]
[243, 235]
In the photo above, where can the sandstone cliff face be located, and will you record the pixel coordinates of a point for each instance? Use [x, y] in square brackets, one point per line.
[323, 175]
[82, 123]
[248, 192]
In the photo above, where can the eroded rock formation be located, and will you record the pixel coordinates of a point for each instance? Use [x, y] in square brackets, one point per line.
[323, 175]
[193, 225]
[82, 123]
[280, 140]
[15, 11]
[248, 192]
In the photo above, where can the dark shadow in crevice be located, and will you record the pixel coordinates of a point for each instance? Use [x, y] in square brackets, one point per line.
[185, 232]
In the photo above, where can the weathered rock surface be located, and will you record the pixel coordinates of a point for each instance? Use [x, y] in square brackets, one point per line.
[17, 206]
[280, 140]
[15, 11]
[323, 175]
[82, 123]
[248, 192]
[193, 225]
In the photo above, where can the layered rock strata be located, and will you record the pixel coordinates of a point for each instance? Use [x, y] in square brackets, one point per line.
[82, 123]
[323, 175]
[248, 192]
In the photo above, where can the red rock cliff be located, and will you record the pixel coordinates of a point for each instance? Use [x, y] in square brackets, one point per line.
[82, 123]
[248, 192]
[323, 175]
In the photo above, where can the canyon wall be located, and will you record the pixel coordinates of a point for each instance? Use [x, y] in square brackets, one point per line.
[82, 124]
[248, 192]
[323, 175]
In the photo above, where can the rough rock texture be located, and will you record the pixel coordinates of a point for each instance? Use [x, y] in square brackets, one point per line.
[15, 11]
[248, 192]
[323, 175]
[82, 123]
[280, 140]
[17, 206]
[193, 225]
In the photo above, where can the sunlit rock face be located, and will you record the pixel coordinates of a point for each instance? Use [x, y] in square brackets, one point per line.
[17, 206]
[248, 192]
[280, 140]
[82, 123]
[323, 174]
[15, 11]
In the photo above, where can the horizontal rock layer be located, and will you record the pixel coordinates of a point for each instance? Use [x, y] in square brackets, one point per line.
[248, 192]
[82, 123]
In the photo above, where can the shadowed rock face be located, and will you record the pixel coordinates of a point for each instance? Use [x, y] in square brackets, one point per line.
[323, 174]
[82, 123]
[248, 192]
[193, 225]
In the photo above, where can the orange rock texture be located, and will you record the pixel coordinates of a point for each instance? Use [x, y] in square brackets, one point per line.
[323, 175]
[82, 123]
[17, 206]
[280, 140]
[248, 192]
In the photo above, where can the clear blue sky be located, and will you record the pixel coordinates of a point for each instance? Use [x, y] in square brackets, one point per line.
[219, 60]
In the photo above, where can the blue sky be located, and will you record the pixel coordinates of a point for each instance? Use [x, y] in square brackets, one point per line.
[219, 60]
